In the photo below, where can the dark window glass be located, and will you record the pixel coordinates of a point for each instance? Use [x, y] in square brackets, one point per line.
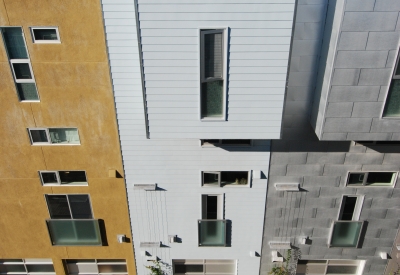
[234, 177]
[236, 141]
[193, 268]
[348, 208]
[58, 207]
[27, 91]
[15, 44]
[39, 268]
[392, 108]
[80, 206]
[45, 34]
[49, 177]
[210, 141]
[379, 177]
[212, 207]
[22, 71]
[38, 136]
[72, 176]
[212, 98]
[356, 178]
[213, 55]
[341, 270]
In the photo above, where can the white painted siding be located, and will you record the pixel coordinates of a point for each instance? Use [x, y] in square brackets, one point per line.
[259, 41]
[176, 164]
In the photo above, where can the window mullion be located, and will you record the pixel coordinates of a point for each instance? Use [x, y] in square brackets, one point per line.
[69, 206]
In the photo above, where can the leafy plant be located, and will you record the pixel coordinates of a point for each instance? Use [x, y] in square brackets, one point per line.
[155, 269]
[282, 270]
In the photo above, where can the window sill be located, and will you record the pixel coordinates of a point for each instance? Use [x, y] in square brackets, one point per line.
[29, 101]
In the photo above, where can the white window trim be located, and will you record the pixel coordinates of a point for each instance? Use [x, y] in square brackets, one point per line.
[220, 205]
[394, 179]
[94, 263]
[360, 265]
[22, 61]
[69, 206]
[225, 31]
[49, 139]
[59, 179]
[357, 208]
[25, 262]
[392, 76]
[249, 177]
[331, 234]
[58, 41]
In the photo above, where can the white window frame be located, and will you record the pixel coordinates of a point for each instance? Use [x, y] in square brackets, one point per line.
[201, 32]
[59, 179]
[357, 208]
[227, 185]
[220, 206]
[393, 76]
[69, 205]
[205, 263]
[22, 61]
[27, 262]
[96, 262]
[49, 139]
[58, 41]
[366, 173]
[339, 262]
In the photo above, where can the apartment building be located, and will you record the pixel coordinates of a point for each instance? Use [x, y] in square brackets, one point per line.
[63, 200]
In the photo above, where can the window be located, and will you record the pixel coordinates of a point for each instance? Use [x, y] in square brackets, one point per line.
[225, 178]
[63, 177]
[357, 179]
[182, 267]
[26, 266]
[107, 266]
[58, 136]
[212, 227]
[17, 52]
[345, 232]
[71, 220]
[45, 35]
[225, 142]
[392, 105]
[325, 267]
[212, 73]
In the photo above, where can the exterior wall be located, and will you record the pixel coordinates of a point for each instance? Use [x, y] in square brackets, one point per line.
[321, 168]
[258, 51]
[363, 45]
[176, 165]
[75, 91]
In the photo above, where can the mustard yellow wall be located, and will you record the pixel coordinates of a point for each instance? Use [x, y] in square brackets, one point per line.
[74, 86]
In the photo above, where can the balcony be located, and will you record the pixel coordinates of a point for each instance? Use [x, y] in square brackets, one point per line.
[212, 232]
[74, 232]
[345, 233]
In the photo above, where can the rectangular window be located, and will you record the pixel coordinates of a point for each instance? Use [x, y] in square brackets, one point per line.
[63, 178]
[212, 226]
[106, 266]
[225, 178]
[225, 142]
[26, 266]
[212, 73]
[350, 208]
[392, 105]
[45, 35]
[357, 179]
[55, 136]
[325, 267]
[21, 68]
[204, 267]
[69, 206]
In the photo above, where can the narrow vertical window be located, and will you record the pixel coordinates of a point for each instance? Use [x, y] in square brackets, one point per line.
[212, 70]
[392, 105]
[17, 52]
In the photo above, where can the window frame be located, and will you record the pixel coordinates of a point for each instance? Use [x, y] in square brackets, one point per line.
[22, 61]
[220, 206]
[49, 138]
[334, 262]
[201, 32]
[59, 178]
[68, 263]
[58, 41]
[69, 205]
[357, 208]
[393, 76]
[204, 263]
[364, 184]
[28, 262]
[219, 173]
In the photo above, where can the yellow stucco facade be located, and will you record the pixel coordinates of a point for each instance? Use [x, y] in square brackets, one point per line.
[73, 83]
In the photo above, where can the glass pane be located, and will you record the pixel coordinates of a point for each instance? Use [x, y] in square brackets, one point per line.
[212, 233]
[72, 177]
[12, 268]
[40, 268]
[236, 141]
[45, 34]
[82, 267]
[356, 178]
[380, 178]
[212, 99]
[348, 206]
[220, 269]
[15, 44]
[112, 268]
[392, 108]
[345, 234]
[234, 178]
[210, 179]
[213, 55]
[27, 91]
[64, 135]
[38, 136]
[49, 177]
[211, 207]
[74, 232]
[2, 261]
[80, 206]
[22, 71]
[188, 268]
[58, 206]
[341, 270]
